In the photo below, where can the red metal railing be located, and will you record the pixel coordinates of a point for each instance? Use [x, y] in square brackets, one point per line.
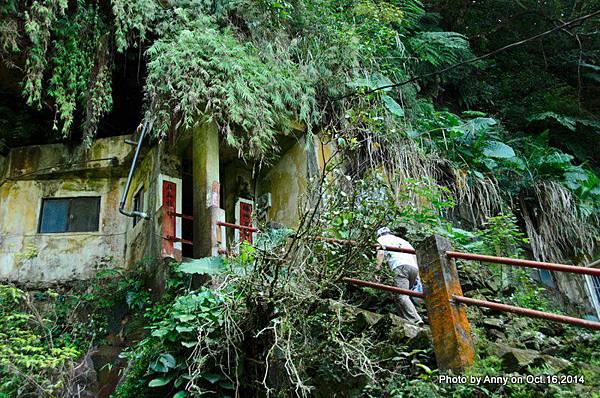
[387, 288]
[171, 212]
[450, 254]
[528, 312]
[484, 303]
[235, 226]
[525, 263]
[184, 216]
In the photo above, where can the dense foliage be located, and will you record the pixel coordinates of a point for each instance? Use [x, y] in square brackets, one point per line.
[276, 319]
[499, 155]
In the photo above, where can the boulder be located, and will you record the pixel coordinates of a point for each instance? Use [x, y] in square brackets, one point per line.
[495, 335]
[555, 364]
[359, 318]
[400, 331]
[518, 360]
[493, 323]
[515, 359]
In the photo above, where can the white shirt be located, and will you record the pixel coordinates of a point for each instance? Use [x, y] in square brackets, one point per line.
[396, 259]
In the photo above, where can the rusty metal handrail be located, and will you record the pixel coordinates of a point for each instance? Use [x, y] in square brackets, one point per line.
[176, 239]
[525, 263]
[528, 312]
[380, 286]
[480, 257]
[483, 303]
[236, 226]
[171, 212]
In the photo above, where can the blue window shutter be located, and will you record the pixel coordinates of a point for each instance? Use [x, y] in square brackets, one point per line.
[55, 215]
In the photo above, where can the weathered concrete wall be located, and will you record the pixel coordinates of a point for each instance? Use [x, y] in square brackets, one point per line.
[48, 171]
[28, 256]
[106, 157]
[288, 180]
[144, 239]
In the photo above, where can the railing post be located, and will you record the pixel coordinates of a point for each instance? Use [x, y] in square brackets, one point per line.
[450, 329]
[217, 232]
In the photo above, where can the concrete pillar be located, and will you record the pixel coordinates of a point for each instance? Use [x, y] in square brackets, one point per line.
[205, 166]
[450, 329]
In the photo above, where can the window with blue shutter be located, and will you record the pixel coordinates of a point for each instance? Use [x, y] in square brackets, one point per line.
[70, 215]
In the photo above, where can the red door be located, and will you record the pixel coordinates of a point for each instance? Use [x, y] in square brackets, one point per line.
[246, 220]
[169, 197]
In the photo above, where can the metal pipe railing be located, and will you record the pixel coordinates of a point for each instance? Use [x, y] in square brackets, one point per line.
[525, 263]
[236, 226]
[134, 213]
[355, 243]
[480, 257]
[483, 303]
[171, 212]
[528, 312]
[176, 239]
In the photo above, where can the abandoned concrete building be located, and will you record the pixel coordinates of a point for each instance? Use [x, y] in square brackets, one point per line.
[60, 218]
[59, 212]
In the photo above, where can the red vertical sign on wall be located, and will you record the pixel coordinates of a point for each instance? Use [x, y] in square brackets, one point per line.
[246, 220]
[169, 196]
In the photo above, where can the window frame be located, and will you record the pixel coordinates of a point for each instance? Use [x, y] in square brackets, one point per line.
[70, 200]
[138, 194]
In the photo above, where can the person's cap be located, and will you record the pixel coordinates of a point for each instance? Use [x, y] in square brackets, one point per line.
[383, 231]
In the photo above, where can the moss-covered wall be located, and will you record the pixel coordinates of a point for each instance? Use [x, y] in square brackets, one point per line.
[36, 172]
[144, 239]
[29, 256]
[287, 180]
[47, 171]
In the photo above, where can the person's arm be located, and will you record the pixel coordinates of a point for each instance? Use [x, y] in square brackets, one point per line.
[380, 259]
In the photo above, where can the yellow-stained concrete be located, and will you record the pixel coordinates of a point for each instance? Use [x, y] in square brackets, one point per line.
[29, 256]
[105, 156]
[47, 171]
[29, 174]
[287, 181]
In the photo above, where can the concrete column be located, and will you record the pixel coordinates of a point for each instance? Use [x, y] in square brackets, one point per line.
[450, 329]
[205, 166]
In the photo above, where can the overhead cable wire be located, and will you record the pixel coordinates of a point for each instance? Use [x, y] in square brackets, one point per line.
[474, 59]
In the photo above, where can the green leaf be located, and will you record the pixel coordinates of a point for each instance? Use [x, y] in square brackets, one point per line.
[185, 317]
[392, 106]
[426, 368]
[227, 385]
[206, 265]
[160, 332]
[168, 360]
[159, 382]
[497, 149]
[575, 177]
[212, 377]
[180, 394]
[565, 121]
[158, 367]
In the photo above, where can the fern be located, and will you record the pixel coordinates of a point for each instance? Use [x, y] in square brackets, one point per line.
[440, 48]
[201, 71]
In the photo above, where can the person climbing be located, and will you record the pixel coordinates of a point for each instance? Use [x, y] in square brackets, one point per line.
[406, 271]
